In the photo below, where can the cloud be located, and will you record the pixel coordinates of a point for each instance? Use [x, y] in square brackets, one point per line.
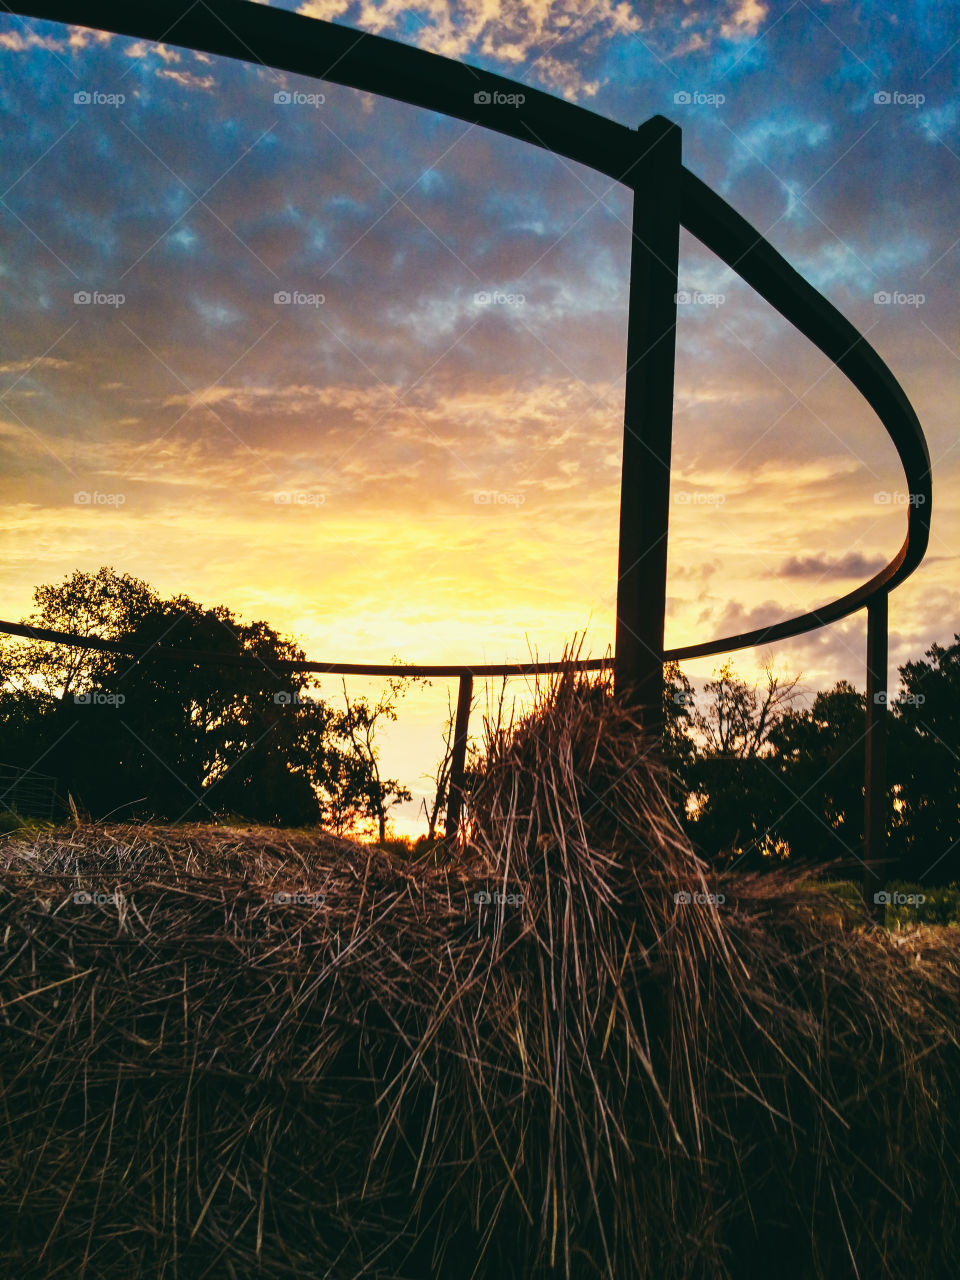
[745, 20]
[851, 565]
[144, 49]
[188, 79]
[79, 38]
[82, 37]
[562, 77]
[326, 10]
[42, 362]
[17, 43]
[547, 35]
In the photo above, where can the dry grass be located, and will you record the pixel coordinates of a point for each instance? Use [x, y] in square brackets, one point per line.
[397, 1082]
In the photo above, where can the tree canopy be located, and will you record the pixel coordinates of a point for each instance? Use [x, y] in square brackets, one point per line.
[177, 740]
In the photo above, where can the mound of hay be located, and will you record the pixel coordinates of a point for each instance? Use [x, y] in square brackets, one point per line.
[256, 1055]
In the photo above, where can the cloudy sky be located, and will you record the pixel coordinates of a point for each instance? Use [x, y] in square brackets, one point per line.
[419, 456]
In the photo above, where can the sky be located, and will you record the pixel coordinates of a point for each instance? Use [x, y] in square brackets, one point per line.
[357, 369]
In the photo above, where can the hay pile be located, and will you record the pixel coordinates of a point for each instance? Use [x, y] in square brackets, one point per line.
[383, 1077]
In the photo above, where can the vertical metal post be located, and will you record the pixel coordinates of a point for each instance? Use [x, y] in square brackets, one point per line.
[648, 419]
[458, 760]
[875, 770]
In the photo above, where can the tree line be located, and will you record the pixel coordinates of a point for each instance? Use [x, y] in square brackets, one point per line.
[758, 777]
[178, 740]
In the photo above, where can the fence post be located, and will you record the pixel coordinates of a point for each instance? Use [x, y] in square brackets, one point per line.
[875, 766]
[648, 419]
[458, 759]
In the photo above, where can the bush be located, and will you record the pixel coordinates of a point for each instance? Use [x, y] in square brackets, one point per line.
[940, 905]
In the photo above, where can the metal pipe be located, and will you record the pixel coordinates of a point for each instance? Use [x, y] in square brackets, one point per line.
[458, 762]
[875, 763]
[294, 43]
[648, 421]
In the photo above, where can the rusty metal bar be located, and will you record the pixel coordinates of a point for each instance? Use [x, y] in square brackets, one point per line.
[324, 50]
[875, 766]
[165, 653]
[648, 420]
[327, 51]
[458, 761]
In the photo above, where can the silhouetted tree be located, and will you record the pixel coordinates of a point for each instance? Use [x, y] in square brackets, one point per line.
[440, 778]
[159, 738]
[819, 756]
[736, 791]
[105, 605]
[679, 745]
[358, 725]
[925, 758]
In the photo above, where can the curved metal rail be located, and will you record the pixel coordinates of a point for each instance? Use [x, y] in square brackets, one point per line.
[168, 653]
[322, 50]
